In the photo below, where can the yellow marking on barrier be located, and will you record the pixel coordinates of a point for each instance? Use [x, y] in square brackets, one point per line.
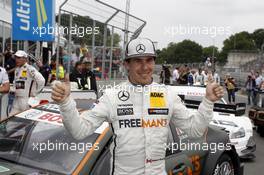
[38, 14]
[43, 11]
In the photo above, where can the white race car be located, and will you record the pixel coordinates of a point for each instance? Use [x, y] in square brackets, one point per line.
[229, 117]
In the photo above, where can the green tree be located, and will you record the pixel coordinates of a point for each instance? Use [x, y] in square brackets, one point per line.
[258, 36]
[240, 41]
[116, 40]
[210, 52]
[186, 51]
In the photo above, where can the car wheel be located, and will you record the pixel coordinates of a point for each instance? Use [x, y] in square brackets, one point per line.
[224, 166]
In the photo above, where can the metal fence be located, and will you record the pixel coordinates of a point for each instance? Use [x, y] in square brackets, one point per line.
[98, 32]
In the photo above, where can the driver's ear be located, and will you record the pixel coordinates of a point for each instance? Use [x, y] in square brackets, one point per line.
[125, 64]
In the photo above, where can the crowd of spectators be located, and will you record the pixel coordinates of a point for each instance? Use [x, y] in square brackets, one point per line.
[254, 86]
[184, 75]
[78, 65]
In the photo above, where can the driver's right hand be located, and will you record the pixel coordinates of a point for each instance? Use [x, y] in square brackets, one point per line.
[60, 91]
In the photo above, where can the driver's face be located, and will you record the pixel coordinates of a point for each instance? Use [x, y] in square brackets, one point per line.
[140, 70]
[20, 61]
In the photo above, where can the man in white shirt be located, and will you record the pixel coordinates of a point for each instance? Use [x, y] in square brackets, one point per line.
[258, 80]
[175, 75]
[4, 81]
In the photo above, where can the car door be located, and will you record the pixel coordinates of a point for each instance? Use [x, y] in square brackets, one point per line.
[177, 162]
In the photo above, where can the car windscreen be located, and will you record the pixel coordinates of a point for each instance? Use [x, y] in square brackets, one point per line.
[41, 144]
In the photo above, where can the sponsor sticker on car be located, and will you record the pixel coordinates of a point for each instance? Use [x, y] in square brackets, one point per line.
[41, 116]
[51, 118]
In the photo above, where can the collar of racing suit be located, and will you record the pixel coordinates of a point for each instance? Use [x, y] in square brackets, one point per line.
[140, 85]
[24, 65]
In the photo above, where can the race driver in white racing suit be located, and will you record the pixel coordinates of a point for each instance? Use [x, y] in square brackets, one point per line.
[27, 83]
[139, 112]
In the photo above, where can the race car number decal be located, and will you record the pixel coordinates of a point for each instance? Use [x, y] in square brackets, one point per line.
[195, 160]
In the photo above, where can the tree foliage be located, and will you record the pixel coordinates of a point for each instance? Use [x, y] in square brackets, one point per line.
[189, 51]
[182, 52]
[211, 51]
[242, 41]
[258, 37]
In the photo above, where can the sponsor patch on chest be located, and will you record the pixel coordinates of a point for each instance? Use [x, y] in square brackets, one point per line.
[24, 74]
[125, 111]
[157, 99]
[158, 111]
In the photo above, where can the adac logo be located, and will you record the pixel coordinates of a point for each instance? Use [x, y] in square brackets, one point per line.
[41, 13]
[156, 94]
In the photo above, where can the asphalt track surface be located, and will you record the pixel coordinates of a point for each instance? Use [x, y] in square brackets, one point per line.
[254, 166]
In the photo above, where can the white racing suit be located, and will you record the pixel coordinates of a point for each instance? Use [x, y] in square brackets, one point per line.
[140, 120]
[27, 83]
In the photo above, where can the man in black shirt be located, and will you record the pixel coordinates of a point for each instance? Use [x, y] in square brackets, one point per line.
[78, 75]
[89, 77]
[10, 65]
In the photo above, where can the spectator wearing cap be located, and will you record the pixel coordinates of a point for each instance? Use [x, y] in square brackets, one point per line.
[28, 82]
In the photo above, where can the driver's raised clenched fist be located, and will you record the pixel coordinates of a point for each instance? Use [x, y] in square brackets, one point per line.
[60, 91]
[214, 91]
